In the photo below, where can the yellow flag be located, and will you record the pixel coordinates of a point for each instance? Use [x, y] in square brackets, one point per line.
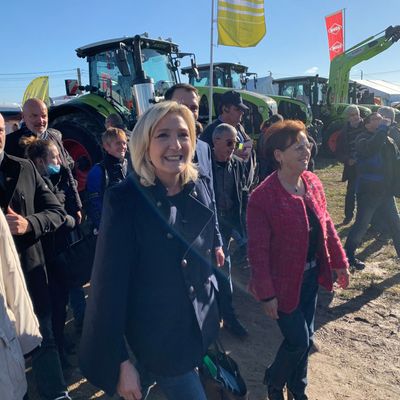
[241, 23]
[38, 88]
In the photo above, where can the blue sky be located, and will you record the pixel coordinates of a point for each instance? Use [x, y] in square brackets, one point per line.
[42, 35]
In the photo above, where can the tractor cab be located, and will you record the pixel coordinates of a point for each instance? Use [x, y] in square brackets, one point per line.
[131, 72]
[126, 76]
[309, 89]
[225, 74]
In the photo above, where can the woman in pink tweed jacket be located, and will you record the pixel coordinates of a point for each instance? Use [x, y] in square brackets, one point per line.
[293, 246]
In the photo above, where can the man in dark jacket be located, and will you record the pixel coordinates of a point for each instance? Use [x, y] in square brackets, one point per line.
[394, 130]
[229, 176]
[346, 153]
[32, 211]
[231, 111]
[377, 157]
[35, 116]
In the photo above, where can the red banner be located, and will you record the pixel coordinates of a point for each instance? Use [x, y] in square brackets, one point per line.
[335, 30]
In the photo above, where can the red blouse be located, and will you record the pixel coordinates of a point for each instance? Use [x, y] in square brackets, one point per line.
[277, 227]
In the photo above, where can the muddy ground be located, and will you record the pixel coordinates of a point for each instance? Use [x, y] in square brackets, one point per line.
[357, 330]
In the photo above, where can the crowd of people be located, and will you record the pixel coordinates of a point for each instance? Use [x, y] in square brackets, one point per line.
[165, 206]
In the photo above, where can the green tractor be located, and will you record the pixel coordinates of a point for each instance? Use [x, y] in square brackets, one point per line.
[329, 98]
[227, 76]
[126, 76]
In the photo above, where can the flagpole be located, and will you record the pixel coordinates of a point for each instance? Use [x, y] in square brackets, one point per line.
[211, 79]
[344, 30]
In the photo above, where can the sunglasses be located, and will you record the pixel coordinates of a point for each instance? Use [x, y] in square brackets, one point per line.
[232, 143]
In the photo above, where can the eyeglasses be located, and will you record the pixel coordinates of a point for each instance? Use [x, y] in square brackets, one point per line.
[231, 143]
[300, 148]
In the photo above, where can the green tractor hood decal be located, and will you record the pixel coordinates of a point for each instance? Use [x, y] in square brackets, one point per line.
[101, 105]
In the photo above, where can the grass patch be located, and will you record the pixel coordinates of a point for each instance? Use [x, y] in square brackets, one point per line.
[380, 257]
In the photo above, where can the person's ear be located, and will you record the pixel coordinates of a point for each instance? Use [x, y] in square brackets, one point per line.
[278, 155]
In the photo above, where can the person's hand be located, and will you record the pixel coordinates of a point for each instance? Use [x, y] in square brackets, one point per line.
[128, 386]
[78, 217]
[245, 151]
[219, 256]
[342, 277]
[17, 223]
[271, 308]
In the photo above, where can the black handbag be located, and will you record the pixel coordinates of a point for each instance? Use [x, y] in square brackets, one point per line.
[221, 377]
[79, 257]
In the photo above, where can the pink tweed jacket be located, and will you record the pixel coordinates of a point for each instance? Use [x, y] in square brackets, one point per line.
[277, 226]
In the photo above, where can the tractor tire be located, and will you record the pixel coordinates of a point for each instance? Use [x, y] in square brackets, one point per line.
[82, 139]
[329, 138]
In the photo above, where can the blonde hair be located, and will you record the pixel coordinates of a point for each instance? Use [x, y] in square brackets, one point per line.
[143, 132]
[113, 133]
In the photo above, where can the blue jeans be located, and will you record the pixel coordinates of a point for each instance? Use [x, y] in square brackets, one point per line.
[350, 199]
[225, 286]
[182, 387]
[367, 205]
[297, 327]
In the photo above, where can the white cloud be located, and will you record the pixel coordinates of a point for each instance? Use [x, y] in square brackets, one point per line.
[312, 70]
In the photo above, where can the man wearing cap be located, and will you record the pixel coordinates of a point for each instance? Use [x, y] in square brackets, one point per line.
[231, 110]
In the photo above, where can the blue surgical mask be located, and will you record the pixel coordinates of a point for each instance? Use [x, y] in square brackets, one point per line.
[53, 169]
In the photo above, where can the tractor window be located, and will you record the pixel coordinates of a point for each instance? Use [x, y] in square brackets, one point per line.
[157, 66]
[236, 81]
[219, 78]
[301, 93]
[106, 76]
[203, 79]
[288, 89]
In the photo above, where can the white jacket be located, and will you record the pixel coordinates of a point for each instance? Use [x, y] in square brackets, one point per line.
[19, 328]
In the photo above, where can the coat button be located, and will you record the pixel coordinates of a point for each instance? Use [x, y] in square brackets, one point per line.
[191, 289]
[158, 204]
[208, 252]
[170, 235]
[184, 263]
[194, 193]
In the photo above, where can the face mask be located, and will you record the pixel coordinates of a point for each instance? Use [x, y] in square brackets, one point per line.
[53, 169]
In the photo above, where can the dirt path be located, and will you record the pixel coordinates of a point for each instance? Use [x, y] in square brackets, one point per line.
[358, 339]
[358, 331]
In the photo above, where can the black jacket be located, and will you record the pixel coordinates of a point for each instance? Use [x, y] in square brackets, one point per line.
[377, 167]
[55, 243]
[346, 149]
[14, 148]
[234, 220]
[152, 283]
[28, 195]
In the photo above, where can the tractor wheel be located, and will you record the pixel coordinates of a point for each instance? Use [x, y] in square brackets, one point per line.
[329, 138]
[82, 139]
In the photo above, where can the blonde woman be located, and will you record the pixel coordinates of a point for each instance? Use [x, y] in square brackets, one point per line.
[152, 284]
